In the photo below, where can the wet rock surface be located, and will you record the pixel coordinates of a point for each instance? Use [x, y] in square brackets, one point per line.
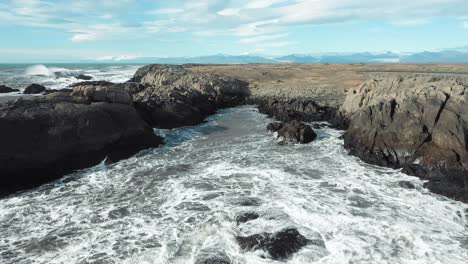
[47, 137]
[306, 110]
[84, 77]
[175, 96]
[247, 216]
[293, 131]
[6, 89]
[34, 89]
[416, 122]
[279, 246]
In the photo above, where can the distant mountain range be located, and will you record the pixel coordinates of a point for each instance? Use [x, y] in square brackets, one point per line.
[449, 56]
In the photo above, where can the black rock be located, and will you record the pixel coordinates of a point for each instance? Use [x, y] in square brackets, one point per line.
[6, 89]
[247, 216]
[45, 138]
[406, 185]
[64, 90]
[305, 110]
[293, 131]
[213, 260]
[279, 246]
[84, 77]
[34, 89]
[176, 96]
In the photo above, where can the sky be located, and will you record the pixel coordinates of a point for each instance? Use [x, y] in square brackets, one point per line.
[75, 30]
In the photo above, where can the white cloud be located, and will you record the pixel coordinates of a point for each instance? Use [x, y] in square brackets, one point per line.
[106, 16]
[465, 24]
[166, 11]
[410, 22]
[262, 38]
[277, 44]
[83, 37]
[256, 4]
[230, 12]
[249, 20]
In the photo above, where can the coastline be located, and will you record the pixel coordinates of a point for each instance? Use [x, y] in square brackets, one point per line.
[287, 92]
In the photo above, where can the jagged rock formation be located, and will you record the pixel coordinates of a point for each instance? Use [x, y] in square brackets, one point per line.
[293, 132]
[44, 138]
[102, 91]
[175, 96]
[306, 110]
[419, 123]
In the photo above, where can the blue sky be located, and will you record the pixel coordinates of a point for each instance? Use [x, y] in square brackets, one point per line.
[72, 30]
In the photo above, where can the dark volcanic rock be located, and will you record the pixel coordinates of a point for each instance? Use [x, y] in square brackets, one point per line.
[176, 96]
[6, 89]
[245, 217]
[34, 89]
[418, 123]
[102, 91]
[279, 246]
[84, 77]
[65, 90]
[294, 132]
[306, 110]
[47, 137]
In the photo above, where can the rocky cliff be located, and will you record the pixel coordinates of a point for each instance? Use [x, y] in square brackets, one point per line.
[43, 138]
[176, 96]
[416, 122]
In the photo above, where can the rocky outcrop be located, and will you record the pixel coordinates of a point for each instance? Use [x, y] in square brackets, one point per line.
[84, 77]
[246, 216]
[418, 123]
[34, 89]
[279, 246]
[306, 110]
[175, 96]
[293, 132]
[44, 138]
[102, 91]
[6, 89]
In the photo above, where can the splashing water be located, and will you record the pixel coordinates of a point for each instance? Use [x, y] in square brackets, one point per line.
[178, 203]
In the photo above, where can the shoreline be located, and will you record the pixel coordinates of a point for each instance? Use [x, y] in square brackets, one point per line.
[289, 94]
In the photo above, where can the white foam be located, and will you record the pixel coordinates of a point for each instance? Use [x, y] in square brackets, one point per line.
[182, 200]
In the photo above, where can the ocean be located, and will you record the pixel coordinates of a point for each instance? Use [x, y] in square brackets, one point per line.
[178, 203]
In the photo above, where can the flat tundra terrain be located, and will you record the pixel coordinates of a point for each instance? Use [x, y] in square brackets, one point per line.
[325, 83]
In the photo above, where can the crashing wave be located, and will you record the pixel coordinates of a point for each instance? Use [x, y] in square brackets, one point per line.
[41, 70]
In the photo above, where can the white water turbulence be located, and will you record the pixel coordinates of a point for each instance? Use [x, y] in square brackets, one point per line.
[177, 204]
[59, 76]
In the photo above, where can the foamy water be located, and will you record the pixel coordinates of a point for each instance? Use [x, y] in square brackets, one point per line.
[62, 75]
[178, 203]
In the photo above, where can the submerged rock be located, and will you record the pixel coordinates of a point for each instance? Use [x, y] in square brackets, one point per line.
[34, 89]
[206, 258]
[6, 89]
[84, 77]
[406, 185]
[176, 96]
[247, 216]
[294, 132]
[45, 138]
[416, 122]
[279, 246]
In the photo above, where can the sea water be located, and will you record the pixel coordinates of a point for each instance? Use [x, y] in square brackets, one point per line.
[178, 203]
